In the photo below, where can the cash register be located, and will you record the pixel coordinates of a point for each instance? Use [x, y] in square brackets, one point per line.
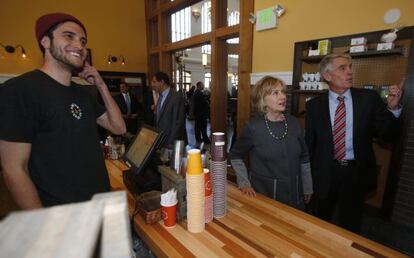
[142, 161]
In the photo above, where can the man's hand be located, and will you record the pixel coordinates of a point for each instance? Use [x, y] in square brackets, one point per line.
[394, 95]
[248, 191]
[91, 75]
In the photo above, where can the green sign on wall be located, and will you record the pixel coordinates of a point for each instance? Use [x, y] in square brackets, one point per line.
[266, 19]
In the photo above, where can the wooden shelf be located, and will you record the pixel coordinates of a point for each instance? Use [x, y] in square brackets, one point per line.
[369, 53]
[312, 59]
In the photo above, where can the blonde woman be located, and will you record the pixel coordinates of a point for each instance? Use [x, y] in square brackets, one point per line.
[279, 160]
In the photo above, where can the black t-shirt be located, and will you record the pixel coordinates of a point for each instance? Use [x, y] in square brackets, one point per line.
[66, 162]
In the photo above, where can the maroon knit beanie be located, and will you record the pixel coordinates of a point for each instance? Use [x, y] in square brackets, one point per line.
[44, 23]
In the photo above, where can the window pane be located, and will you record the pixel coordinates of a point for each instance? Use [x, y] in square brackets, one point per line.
[191, 21]
[180, 25]
[232, 87]
[233, 12]
[189, 68]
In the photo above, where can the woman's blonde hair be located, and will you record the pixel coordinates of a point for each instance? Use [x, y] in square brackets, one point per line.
[263, 88]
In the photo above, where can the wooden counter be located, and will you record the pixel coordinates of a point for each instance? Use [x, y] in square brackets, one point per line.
[253, 227]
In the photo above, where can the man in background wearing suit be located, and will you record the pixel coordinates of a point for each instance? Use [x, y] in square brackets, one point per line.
[169, 110]
[201, 114]
[128, 105]
[340, 126]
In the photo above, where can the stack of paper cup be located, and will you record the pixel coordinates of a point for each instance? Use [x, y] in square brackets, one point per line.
[208, 206]
[218, 169]
[195, 192]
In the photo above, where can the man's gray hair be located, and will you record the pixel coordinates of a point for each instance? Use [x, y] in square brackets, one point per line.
[326, 64]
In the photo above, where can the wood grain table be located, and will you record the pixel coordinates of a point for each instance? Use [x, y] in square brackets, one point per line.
[253, 227]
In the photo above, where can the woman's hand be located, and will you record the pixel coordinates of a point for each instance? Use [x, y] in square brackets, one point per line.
[307, 198]
[248, 191]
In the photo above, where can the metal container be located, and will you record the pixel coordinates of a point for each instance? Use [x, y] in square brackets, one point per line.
[178, 155]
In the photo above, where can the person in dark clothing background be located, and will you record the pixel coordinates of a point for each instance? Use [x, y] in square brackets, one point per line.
[201, 114]
[189, 104]
[128, 104]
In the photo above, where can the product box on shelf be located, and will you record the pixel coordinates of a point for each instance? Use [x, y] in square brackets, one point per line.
[385, 46]
[313, 52]
[358, 41]
[324, 47]
[358, 49]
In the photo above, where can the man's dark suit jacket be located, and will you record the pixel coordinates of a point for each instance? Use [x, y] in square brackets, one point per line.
[370, 119]
[132, 124]
[171, 119]
[120, 100]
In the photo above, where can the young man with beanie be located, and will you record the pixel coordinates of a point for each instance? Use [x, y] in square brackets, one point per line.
[49, 147]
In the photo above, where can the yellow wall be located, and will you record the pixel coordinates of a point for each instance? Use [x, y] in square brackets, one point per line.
[312, 19]
[114, 27]
[118, 28]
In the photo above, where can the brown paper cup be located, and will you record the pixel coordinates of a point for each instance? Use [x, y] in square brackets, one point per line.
[218, 146]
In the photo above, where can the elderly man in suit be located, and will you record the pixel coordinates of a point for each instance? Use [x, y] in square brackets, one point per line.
[169, 110]
[128, 104]
[340, 126]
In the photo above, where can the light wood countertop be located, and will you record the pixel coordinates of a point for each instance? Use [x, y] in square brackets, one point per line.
[253, 227]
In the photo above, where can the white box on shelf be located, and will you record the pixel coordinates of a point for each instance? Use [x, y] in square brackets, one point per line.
[313, 52]
[358, 49]
[358, 41]
[385, 46]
